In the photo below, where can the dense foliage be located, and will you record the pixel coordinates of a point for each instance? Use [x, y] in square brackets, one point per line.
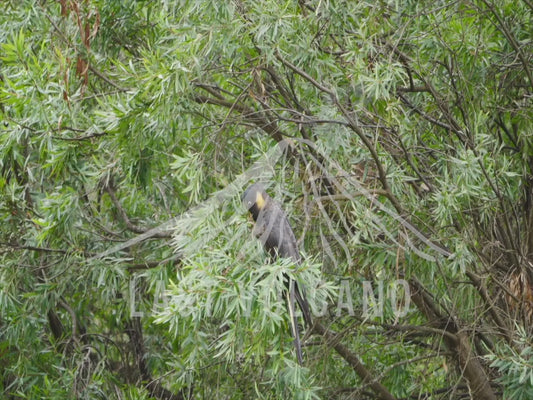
[397, 135]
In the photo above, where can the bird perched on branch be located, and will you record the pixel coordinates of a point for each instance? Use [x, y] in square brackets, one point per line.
[272, 228]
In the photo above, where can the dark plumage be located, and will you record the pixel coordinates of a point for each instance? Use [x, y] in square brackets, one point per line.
[272, 228]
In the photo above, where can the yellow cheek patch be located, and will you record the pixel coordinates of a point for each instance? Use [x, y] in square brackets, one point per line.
[259, 200]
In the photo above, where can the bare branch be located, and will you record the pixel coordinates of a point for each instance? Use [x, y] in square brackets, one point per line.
[353, 360]
[124, 216]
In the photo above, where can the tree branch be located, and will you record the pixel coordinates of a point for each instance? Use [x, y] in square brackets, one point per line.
[124, 216]
[253, 116]
[459, 343]
[382, 176]
[352, 359]
[154, 387]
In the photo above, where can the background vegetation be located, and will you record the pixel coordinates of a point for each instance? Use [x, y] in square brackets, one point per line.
[398, 136]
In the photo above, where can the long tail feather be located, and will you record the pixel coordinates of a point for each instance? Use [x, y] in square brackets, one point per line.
[304, 305]
[291, 294]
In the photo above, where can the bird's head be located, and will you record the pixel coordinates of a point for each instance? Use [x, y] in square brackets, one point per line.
[255, 199]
